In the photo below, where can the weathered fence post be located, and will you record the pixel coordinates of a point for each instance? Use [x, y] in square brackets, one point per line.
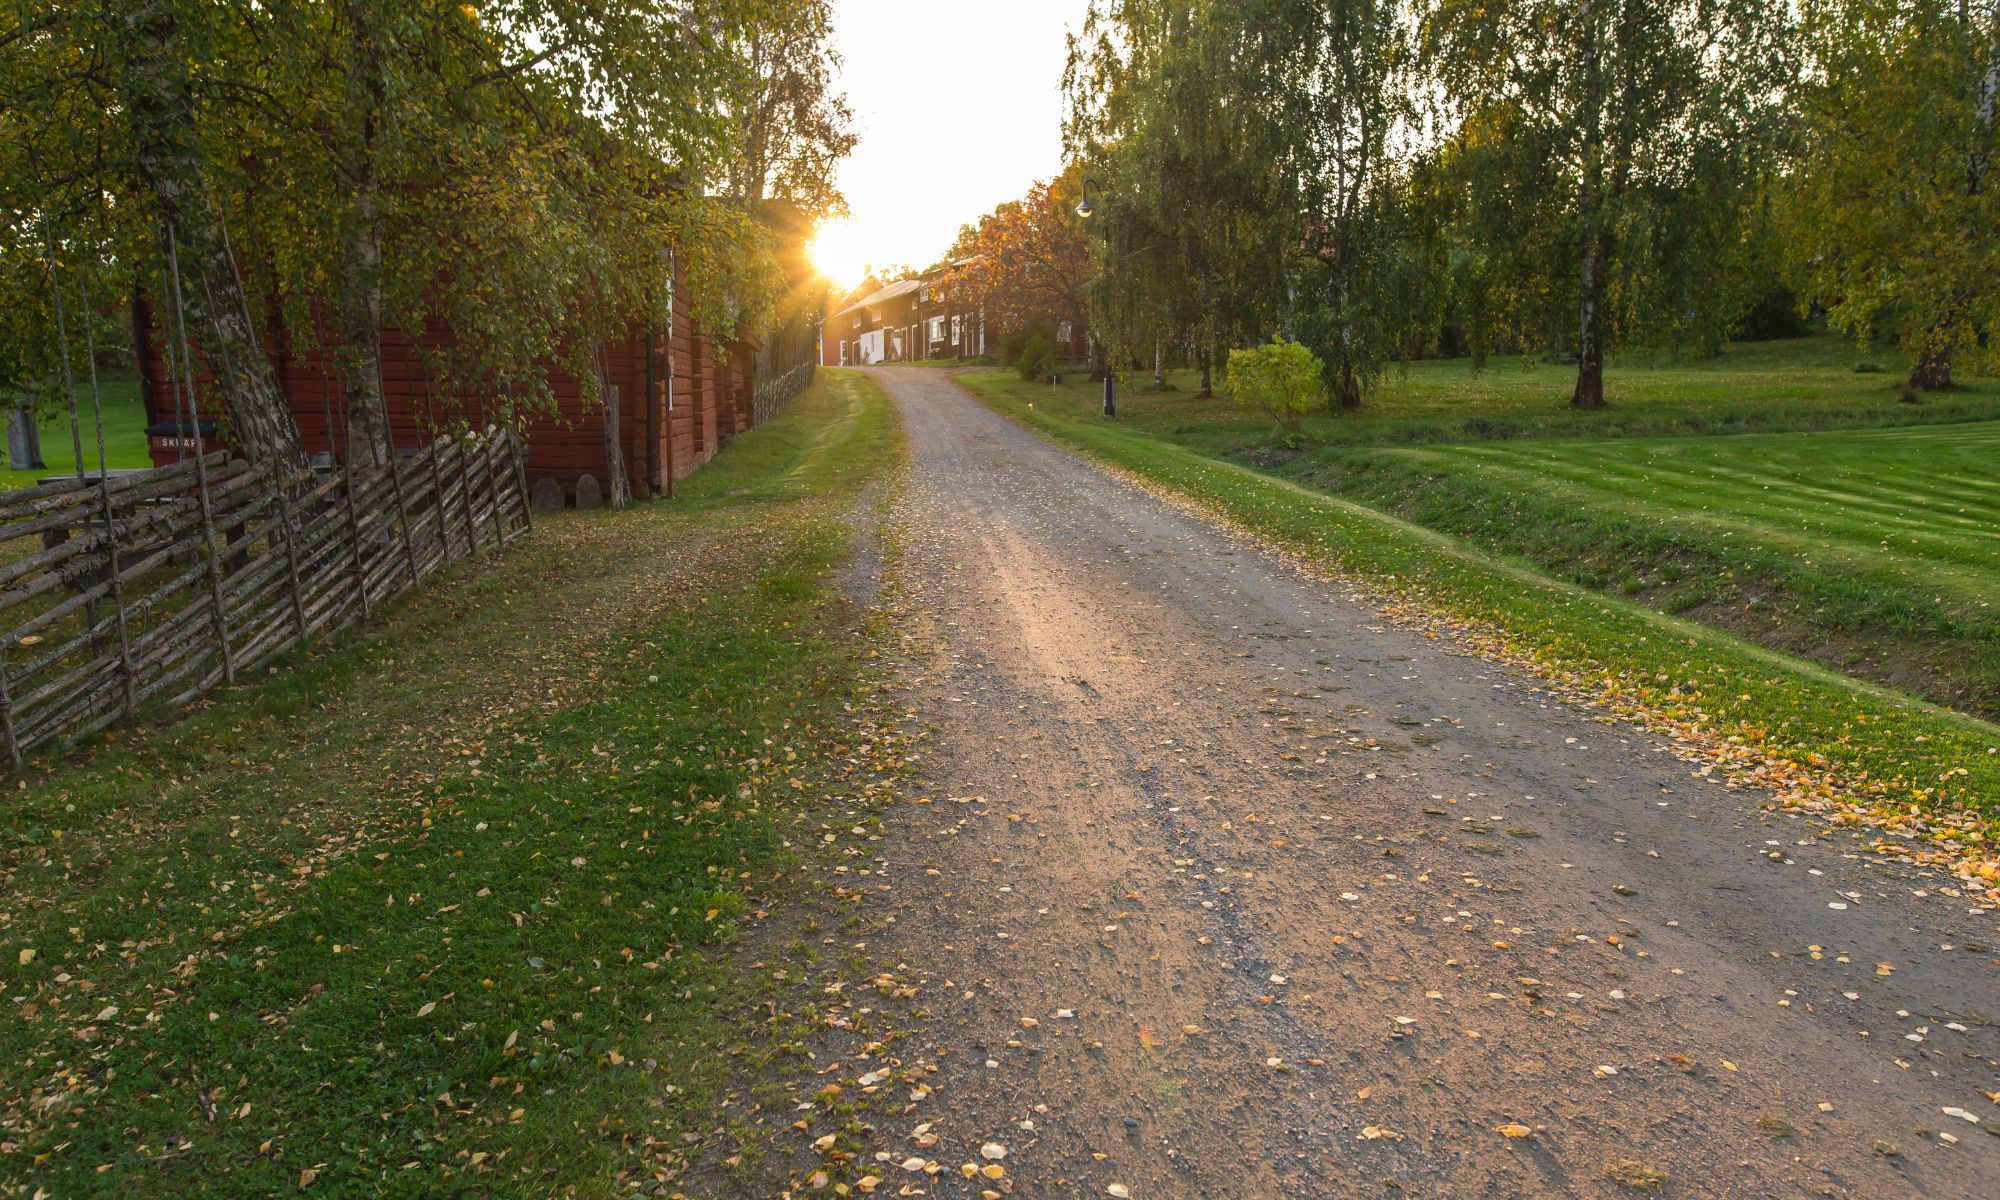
[402, 507]
[354, 542]
[516, 456]
[490, 448]
[465, 488]
[289, 529]
[7, 717]
[200, 467]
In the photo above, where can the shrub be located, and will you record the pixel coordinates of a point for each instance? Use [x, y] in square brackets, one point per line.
[1038, 357]
[1011, 343]
[1281, 378]
[1015, 341]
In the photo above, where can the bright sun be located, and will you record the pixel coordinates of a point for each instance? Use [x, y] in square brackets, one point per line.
[841, 253]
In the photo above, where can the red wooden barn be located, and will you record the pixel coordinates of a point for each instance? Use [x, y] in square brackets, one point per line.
[682, 395]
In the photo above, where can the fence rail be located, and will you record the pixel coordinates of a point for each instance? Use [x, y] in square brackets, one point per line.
[158, 585]
[772, 393]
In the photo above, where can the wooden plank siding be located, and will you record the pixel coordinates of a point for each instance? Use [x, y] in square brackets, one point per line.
[679, 401]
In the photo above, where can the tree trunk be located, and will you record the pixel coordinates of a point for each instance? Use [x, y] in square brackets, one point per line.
[617, 485]
[1595, 249]
[1930, 362]
[1207, 378]
[368, 437]
[1347, 387]
[167, 158]
[1590, 331]
[1930, 368]
[1159, 367]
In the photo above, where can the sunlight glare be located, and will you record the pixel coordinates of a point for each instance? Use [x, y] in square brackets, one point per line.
[841, 253]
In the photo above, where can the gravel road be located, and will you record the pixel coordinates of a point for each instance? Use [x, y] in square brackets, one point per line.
[1221, 884]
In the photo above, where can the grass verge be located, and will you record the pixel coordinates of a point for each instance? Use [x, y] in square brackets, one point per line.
[1869, 551]
[1930, 778]
[444, 911]
[1753, 387]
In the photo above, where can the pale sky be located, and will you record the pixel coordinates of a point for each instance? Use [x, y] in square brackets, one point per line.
[959, 107]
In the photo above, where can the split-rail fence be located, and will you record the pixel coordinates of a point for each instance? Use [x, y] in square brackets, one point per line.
[124, 590]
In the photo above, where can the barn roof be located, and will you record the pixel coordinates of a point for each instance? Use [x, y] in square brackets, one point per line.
[899, 288]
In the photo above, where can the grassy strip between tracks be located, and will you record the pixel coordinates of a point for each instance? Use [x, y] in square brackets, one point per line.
[350, 933]
[1929, 778]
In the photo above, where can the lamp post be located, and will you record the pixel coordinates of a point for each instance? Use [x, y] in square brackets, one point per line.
[1083, 210]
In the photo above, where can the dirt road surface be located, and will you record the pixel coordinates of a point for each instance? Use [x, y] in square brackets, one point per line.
[1221, 885]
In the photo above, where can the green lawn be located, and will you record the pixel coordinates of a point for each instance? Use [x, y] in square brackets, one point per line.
[1922, 504]
[1890, 749]
[444, 911]
[1835, 533]
[1876, 552]
[124, 433]
[1804, 383]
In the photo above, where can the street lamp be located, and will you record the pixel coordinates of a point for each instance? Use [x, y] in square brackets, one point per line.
[1083, 209]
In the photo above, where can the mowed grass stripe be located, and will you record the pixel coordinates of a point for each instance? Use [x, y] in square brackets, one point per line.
[1746, 493]
[1888, 494]
[1852, 502]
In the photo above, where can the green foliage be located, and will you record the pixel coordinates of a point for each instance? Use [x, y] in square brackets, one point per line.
[1196, 229]
[510, 169]
[1012, 342]
[1602, 166]
[1038, 356]
[1281, 379]
[1890, 208]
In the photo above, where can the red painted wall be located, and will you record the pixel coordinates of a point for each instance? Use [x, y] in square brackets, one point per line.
[711, 401]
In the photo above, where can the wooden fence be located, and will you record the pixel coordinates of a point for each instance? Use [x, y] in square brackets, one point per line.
[123, 590]
[773, 392]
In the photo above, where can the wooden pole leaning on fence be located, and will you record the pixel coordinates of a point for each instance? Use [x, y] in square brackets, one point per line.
[464, 445]
[201, 464]
[490, 447]
[117, 586]
[104, 496]
[289, 528]
[7, 718]
[517, 457]
[402, 506]
[437, 470]
[344, 475]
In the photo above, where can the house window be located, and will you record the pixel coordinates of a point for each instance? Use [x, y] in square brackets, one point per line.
[954, 330]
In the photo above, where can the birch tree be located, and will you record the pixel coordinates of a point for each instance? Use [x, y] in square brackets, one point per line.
[510, 167]
[1613, 120]
[1196, 232]
[1893, 214]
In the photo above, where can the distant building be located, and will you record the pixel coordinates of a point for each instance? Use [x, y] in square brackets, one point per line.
[902, 322]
